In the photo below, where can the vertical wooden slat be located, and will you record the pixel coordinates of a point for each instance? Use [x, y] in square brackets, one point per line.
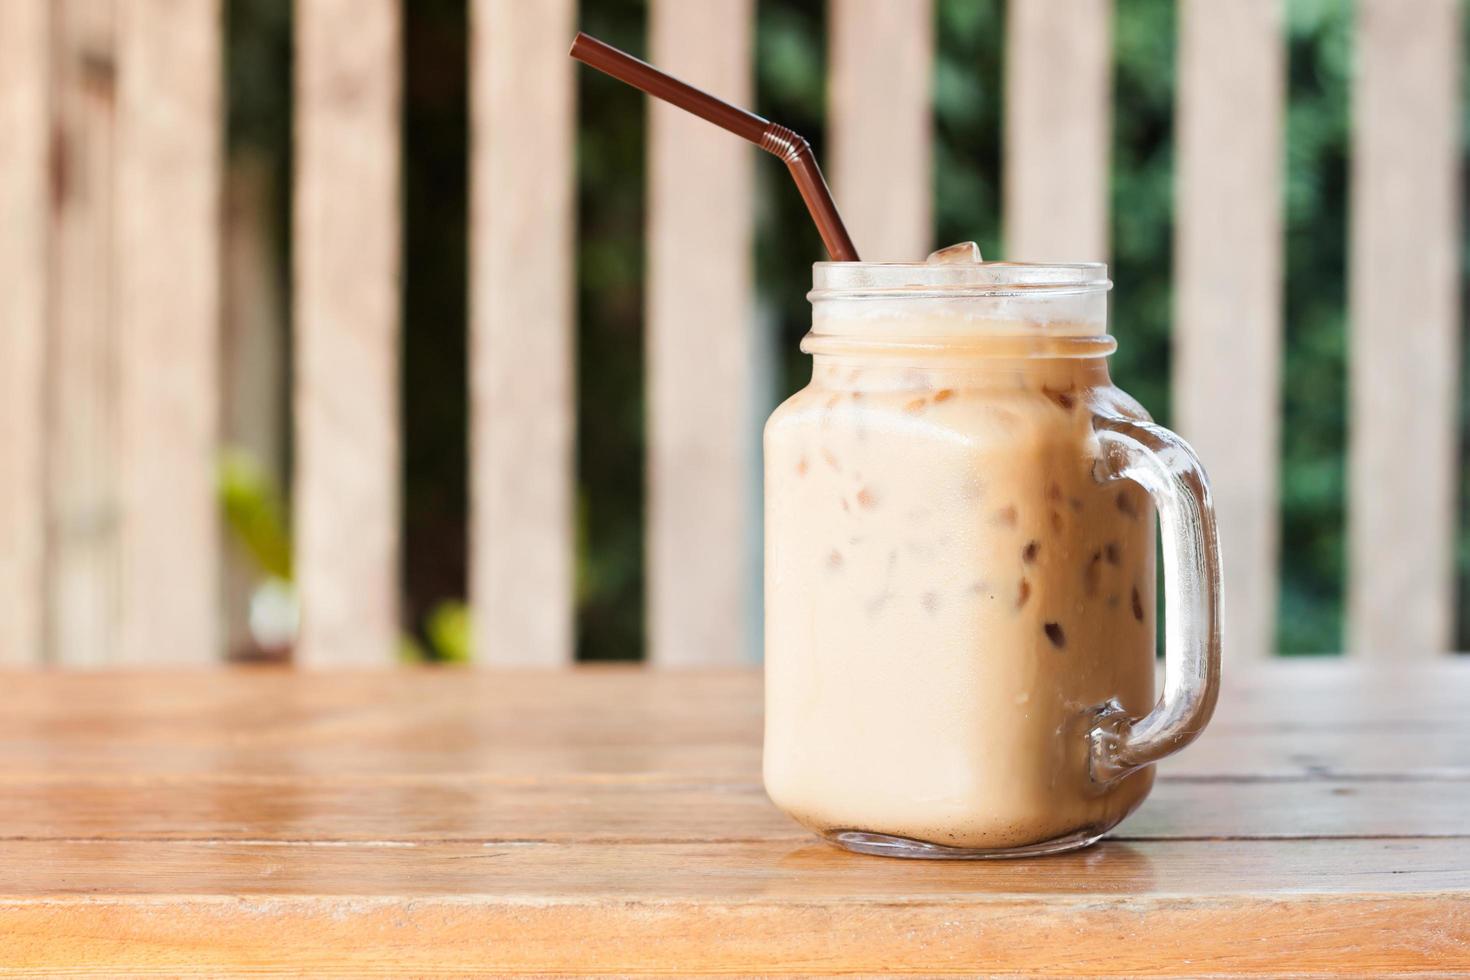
[1404, 347]
[346, 329]
[81, 354]
[521, 380]
[1058, 89]
[1227, 294]
[24, 107]
[700, 346]
[169, 134]
[881, 124]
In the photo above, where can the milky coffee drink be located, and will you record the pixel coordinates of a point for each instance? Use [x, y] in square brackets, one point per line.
[955, 586]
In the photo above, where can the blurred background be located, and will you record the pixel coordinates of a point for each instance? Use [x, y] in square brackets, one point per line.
[790, 51]
[790, 72]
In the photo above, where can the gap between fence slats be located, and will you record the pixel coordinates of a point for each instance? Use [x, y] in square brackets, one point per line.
[169, 138]
[82, 560]
[1227, 290]
[1404, 339]
[522, 107]
[24, 115]
[346, 228]
[881, 122]
[253, 343]
[1058, 94]
[699, 353]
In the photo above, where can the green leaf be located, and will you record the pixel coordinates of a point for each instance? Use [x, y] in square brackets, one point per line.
[254, 513]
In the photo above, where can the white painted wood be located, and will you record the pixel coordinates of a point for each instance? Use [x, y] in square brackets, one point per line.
[1227, 293]
[700, 343]
[1058, 91]
[881, 124]
[523, 124]
[346, 228]
[81, 350]
[169, 139]
[24, 119]
[1404, 342]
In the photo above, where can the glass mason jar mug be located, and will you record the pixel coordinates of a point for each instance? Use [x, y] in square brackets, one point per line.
[960, 568]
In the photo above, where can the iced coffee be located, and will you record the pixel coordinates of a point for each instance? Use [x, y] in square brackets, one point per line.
[955, 586]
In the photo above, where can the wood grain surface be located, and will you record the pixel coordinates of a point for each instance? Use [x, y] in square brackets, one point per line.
[264, 822]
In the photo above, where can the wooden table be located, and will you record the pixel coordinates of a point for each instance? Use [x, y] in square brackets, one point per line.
[474, 822]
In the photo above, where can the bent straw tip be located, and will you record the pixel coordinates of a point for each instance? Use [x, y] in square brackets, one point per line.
[791, 148]
[580, 44]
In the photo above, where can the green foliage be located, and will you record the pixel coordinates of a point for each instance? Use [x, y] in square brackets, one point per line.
[448, 630]
[610, 375]
[259, 70]
[1142, 199]
[1314, 395]
[446, 638]
[968, 113]
[254, 513]
[791, 88]
[435, 399]
[255, 518]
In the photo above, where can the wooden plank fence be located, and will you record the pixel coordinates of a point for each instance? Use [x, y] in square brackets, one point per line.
[700, 341]
[521, 330]
[1404, 286]
[169, 149]
[110, 296]
[346, 329]
[81, 410]
[882, 58]
[1228, 285]
[25, 196]
[1058, 100]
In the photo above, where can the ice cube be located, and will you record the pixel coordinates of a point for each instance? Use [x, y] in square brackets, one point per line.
[965, 253]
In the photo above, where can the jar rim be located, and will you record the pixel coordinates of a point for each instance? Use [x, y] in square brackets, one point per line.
[922, 280]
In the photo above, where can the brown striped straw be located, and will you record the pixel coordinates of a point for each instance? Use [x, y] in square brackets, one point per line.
[771, 137]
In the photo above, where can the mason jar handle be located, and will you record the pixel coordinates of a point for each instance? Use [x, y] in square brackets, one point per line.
[1164, 465]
